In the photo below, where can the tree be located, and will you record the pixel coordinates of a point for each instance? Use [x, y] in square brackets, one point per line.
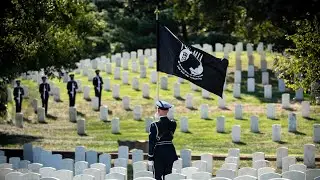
[301, 67]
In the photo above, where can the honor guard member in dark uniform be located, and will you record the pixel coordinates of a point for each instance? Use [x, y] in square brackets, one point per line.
[18, 94]
[44, 90]
[72, 87]
[161, 149]
[97, 83]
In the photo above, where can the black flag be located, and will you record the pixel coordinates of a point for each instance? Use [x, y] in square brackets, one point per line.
[190, 63]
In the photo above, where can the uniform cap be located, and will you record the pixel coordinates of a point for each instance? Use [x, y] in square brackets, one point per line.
[17, 81]
[44, 77]
[71, 75]
[97, 71]
[163, 105]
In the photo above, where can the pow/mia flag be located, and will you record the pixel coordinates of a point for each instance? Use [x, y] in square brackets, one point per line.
[190, 63]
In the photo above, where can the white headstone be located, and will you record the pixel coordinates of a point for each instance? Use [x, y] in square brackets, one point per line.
[305, 109]
[125, 64]
[194, 87]
[91, 157]
[123, 152]
[238, 111]
[205, 94]
[133, 55]
[108, 68]
[176, 90]
[117, 73]
[47, 172]
[298, 167]
[34, 105]
[67, 164]
[126, 103]
[204, 110]
[153, 77]
[118, 62]
[222, 102]
[285, 100]
[81, 126]
[137, 155]
[264, 65]
[268, 91]
[145, 91]
[116, 91]
[299, 94]
[72, 114]
[137, 112]
[164, 83]
[41, 115]
[134, 66]
[265, 78]
[27, 152]
[209, 160]
[106, 160]
[236, 133]
[141, 60]
[220, 124]
[86, 92]
[286, 162]
[103, 113]
[93, 172]
[201, 165]
[115, 126]
[177, 165]
[281, 85]
[91, 75]
[150, 62]
[281, 153]
[237, 77]
[250, 71]
[143, 72]
[148, 122]
[188, 101]
[185, 155]
[184, 127]
[135, 83]
[316, 133]
[107, 84]
[236, 90]
[125, 77]
[276, 132]
[95, 103]
[226, 173]
[251, 85]
[15, 162]
[271, 111]
[19, 120]
[80, 166]
[292, 122]
[80, 153]
[254, 124]
[309, 155]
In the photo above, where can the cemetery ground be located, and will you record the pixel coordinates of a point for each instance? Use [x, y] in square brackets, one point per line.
[58, 133]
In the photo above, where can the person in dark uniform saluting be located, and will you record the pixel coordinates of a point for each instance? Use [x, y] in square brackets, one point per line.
[72, 87]
[162, 152]
[44, 90]
[18, 94]
[97, 83]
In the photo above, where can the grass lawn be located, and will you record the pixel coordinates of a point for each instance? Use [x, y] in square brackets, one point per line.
[60, 134]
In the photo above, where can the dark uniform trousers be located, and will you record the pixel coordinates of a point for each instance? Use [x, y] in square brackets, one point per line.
[16, 97]
[44, 95]
[97, 90]
[161, 148]
[72, 86]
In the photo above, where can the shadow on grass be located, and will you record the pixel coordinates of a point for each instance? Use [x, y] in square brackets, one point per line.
[110, 112]
[27, 120]
[85, 134]
[147, 97]
[309, 118]
[257, 132]
[7, 139]
[49, 116]
[209, 119]
[118, 133]
[240, 143]
[242, 119]
[129, 109]
[117, 98]
[43, 122]
[225, 109]
[180, 98]
[208, 98]
[187, 132]
[80, 114]
[299, 133]
[88, 99]
[193, 108]
[289, 109]
[275, 119]
[225, 132]
[281, 142]
[59, 101]
[137, 89]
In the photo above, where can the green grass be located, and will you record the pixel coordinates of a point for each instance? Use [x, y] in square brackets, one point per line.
[60, 134]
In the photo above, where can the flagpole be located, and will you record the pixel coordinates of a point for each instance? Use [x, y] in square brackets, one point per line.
[158, 44]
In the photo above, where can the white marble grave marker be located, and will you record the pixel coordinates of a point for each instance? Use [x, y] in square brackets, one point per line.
[103, 113]
[285, 100]
[265, 78]
[143, 72]
[135, 83]
[276, 132]
[72, 114]
[305, 109]
[254, 124]
[153, 78]
[237, 77]
[268, 91]
[292, 122]
[204, 110]
[281, 85]
[145, 91]
[250, 71]
[86, 92]
[116, 91]
[19, 120]
[115, 126]
[108, 68]
[309, 157]
[238, 111]
[236, 132]
[184, 127]
[137, 112]
[316, 133]
[220, 124]
[125, 77]
[299, 94]
[236, 90]
[188, 101]
[176, 90]
[95, 103]
[251, 84]
[41, 115]
[81, 126]
[271, 111]
[164, 83]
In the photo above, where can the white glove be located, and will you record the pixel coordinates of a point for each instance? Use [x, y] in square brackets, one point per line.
[150, 163]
